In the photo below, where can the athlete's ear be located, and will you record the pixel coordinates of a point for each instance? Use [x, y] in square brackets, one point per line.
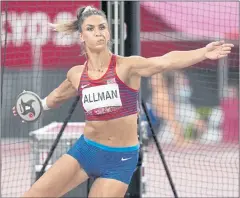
[108, 35]
[81, 37]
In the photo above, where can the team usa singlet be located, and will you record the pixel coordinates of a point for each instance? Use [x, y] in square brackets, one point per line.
[107, 97]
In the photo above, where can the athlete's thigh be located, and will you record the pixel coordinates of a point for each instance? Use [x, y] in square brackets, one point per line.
[105, 187]
[65, 174]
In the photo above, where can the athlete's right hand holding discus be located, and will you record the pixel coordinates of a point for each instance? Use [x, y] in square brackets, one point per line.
[109, 86]
[29, 106]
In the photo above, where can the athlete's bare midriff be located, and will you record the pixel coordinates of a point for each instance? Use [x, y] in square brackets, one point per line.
[119, 132]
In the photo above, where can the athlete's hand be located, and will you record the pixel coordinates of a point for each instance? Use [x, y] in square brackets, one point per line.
[217, 50]
[28, 106]
[15, 113]
[52, 26]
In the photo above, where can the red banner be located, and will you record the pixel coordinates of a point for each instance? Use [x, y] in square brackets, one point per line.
[29, 41]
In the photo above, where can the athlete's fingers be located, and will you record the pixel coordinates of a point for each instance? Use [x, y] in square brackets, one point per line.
[52, 26]
[14, 111]
[228, 45]
[217, 43]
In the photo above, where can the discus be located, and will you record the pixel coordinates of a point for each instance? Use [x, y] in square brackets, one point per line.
[29, 106]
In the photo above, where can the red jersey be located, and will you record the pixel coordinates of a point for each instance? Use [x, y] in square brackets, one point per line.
[107, 97]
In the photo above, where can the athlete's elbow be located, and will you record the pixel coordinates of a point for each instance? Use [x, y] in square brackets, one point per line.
[159, 65]
[54, 98]
[165, 64]
[171, 61]
[57, 96]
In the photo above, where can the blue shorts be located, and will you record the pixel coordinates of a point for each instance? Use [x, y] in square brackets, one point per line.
[100, 161]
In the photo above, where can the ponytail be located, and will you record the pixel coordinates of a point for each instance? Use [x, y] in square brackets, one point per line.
[71, 26]
[66, 27]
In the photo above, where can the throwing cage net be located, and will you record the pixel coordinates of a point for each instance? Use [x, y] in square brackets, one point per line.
[200, 102]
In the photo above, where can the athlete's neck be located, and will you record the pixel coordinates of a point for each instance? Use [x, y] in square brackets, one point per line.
[99, 60]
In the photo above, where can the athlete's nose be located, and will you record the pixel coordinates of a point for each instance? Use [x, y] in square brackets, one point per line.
[98, 33]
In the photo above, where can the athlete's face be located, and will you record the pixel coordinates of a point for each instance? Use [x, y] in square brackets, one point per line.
[95, 33]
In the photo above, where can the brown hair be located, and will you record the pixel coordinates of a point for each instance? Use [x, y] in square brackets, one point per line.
[76, 25]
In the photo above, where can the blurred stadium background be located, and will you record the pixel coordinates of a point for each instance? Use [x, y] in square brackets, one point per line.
[202, 101]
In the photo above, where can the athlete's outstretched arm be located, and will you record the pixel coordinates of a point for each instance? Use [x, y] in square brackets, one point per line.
[178, 59]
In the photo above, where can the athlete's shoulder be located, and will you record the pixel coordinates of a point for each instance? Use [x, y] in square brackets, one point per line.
[75, 70]
[121, 58]
[123, 61]
[74, 74]
[128, 60]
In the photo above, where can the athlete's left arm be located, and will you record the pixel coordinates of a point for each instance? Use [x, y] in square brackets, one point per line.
[177, 59]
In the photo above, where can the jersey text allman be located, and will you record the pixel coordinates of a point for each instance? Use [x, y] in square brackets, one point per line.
[101, 96]
[94, 97]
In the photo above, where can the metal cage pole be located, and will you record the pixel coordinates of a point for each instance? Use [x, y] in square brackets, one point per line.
[223, 69]
[2, 69]
[115, 16]
[133, 47]
[121, 27]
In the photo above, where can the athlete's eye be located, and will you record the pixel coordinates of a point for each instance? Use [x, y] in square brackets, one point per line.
[102, 27]
[89, 28]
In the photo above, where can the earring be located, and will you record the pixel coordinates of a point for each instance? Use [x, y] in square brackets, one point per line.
[82, 51]
[109, 44]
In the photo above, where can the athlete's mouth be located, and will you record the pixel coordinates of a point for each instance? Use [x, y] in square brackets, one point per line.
[101, 40]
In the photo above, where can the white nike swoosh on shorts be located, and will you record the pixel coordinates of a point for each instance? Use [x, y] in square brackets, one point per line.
[124, 159]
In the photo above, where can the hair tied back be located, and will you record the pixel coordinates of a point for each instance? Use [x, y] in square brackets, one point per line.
[87, 9]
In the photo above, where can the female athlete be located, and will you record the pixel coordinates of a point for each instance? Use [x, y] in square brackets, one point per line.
[108, 85]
